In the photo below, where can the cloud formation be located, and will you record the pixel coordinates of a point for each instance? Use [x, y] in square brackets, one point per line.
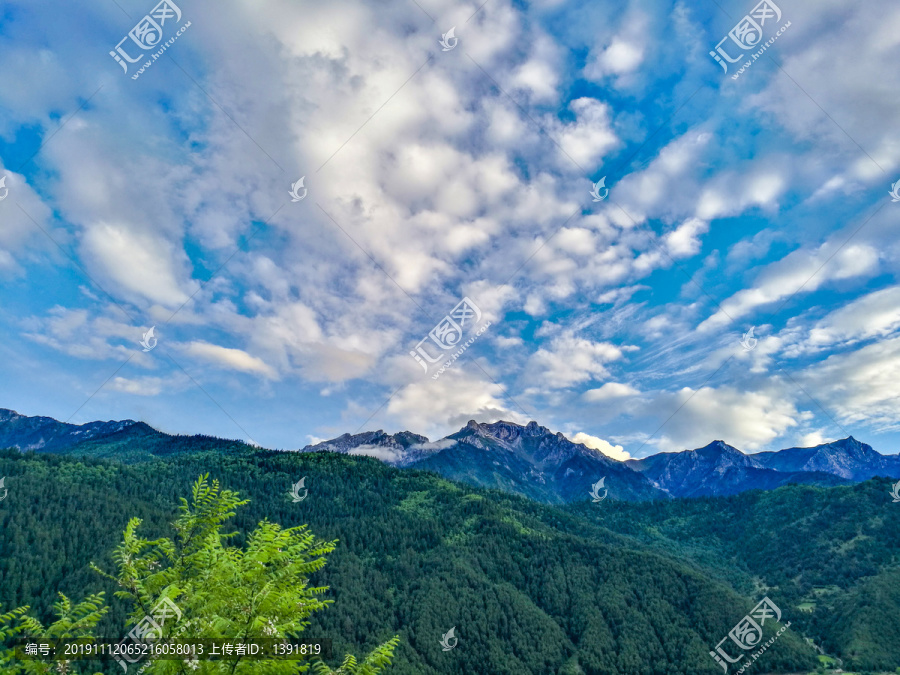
[434, 176]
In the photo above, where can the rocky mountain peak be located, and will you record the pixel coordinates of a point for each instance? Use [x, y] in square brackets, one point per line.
[502, 430]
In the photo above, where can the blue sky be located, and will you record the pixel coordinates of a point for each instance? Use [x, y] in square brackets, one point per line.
[161, 198]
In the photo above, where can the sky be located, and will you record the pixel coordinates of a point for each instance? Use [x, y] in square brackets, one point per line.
[548, 211]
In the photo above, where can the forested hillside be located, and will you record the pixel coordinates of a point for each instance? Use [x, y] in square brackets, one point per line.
[529, 588]
[833, 554]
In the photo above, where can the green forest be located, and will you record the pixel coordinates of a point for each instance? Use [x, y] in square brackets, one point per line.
[612, 588]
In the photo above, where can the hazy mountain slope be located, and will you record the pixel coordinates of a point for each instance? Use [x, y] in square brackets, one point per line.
[46, 434]
[719, 469]
[691, 472]
[126, 441]
[847, 458]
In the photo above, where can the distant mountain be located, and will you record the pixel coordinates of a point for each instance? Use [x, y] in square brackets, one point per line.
[528, 460]
[401, 449]
[847, 458]
[532, 461]
[719, 469]
[124, 440]
[46, 434]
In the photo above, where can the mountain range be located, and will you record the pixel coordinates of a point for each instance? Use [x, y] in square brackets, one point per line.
[644, 582]
[528, 460]
[533, 461]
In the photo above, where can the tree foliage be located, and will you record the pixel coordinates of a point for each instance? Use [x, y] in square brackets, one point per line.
[72, 622]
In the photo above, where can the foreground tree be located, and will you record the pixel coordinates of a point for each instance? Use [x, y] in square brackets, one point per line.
[196, 586]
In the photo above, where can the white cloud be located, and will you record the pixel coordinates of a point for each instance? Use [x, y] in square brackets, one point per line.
[229, 358]
[620, 57]
[845, 64]
[505, 342]
[378, 452]
[569, 360]
[616, 452]
[19, 206]
[143, 386]
[85, 335]
[814, 438]
[801, 271]
[731, 194]
[491, 299]
[749, 250]
[538, 74]
[290, 337]
[139, 263]
[610, 390]
[861, 386]
[684, 241]
[438, 407]
[621, 54]
[534, 305]
[441, 444]
[744, 419]
[875, 314]
[591, 135]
